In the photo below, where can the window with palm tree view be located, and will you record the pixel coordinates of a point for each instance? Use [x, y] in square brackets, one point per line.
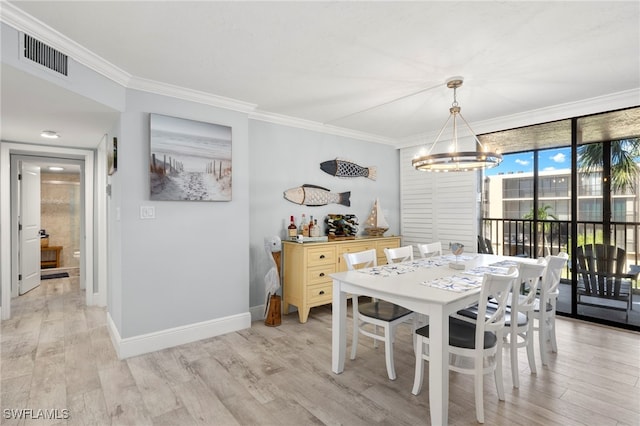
[574, 190]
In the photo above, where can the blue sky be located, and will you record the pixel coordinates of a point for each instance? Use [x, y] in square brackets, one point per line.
[550, 159]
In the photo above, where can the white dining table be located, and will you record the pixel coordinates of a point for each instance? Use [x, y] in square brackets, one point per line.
[411, 289]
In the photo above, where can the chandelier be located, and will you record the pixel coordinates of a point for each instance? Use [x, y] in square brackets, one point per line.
[454, 160]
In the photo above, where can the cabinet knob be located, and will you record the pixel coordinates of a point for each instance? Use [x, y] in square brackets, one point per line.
[321, 292]
[322, 274]
[322, 256]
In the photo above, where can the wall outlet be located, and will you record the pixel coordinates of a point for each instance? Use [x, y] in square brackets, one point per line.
[147, 212]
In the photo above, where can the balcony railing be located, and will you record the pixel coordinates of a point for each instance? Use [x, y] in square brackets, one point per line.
[521, 237]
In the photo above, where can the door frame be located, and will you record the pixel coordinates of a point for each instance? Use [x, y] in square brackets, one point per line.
[92, 250]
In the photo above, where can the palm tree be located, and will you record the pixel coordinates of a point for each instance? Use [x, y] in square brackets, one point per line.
[542, 214]
[624, 170]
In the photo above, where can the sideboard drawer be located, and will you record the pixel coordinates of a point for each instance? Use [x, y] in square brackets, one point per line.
[322, 293]
[321, 256]
[320, 274]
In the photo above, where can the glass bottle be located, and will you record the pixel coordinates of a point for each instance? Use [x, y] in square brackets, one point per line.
[305, 228]
[316, 228]
[292, 229]
[303, 222]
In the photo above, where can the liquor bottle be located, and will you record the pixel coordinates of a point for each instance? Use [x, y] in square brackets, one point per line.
[303, 223]
[311, 226]
[292, 229]
[305, 227]
[316, 228]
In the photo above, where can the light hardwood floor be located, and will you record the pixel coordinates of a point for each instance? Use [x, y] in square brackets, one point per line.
[56, 354]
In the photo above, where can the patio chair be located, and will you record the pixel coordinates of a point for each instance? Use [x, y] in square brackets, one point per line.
[602, 280]
[484, 245]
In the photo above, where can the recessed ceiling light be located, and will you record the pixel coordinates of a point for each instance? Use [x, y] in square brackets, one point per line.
[56, 168]
[50, 134]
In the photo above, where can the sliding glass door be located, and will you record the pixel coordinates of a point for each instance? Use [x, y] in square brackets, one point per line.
[574, 184]
[608, 174]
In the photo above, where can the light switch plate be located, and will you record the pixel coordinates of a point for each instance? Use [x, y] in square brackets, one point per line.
[147, 212]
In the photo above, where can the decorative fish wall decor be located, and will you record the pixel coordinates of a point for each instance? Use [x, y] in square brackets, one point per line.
[344, 168]
[313, 195]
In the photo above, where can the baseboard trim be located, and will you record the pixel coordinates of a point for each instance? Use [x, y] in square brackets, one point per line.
[257, 312]
[151, 342]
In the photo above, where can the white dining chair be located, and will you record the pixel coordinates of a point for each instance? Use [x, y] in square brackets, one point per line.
[377, 314]
[545, 305]
[399, 254]
[518, 316]
[478, 343]
[430, 249]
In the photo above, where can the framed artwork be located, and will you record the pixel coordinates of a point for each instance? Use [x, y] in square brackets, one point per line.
[112, 156]
[190, 160]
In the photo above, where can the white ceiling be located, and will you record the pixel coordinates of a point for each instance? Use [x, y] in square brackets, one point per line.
[373, 67]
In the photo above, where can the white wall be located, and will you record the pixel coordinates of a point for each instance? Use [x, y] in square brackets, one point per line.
[283, 157]
[438, 206]
[190, 264]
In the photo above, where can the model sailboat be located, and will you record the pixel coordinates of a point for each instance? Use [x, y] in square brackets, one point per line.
[376, 224]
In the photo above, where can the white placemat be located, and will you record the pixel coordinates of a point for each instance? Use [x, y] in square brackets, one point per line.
[479, 271]
[457, 283]
[454, 258]
[430, 262]
[389, 270]
[505, 263]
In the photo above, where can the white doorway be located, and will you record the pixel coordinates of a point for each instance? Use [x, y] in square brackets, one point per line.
[91, 250]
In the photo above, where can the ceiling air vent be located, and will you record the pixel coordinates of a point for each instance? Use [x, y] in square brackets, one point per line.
[44, 55]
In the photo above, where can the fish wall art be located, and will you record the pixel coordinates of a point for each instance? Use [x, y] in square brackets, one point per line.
[344, 168]
[313, 195]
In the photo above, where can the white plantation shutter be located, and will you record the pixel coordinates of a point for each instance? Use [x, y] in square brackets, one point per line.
[437, 206]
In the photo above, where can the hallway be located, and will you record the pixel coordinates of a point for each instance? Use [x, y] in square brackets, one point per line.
[54, 350]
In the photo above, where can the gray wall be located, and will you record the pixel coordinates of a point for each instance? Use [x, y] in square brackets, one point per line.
[199, 261]
[191, 263]
[283, 157]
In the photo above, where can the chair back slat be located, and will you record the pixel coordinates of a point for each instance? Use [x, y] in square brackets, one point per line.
[361, 259]
[552, 275]
[399, 254]
[430, 249]
[494, 287]
[529, 276]
[601, 268]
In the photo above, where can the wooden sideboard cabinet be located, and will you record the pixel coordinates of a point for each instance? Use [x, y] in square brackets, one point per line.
[307, 268]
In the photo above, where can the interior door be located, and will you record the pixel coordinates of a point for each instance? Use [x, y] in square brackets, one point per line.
[29, 225]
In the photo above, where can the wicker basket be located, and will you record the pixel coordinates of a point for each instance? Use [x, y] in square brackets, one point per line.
[44, 242]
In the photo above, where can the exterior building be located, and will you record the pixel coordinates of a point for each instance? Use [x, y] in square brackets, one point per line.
[509, 197]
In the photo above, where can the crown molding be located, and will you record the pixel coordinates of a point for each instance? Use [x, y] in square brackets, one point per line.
[179, 92]
[609, 102]
[21, 21]
[315, 126]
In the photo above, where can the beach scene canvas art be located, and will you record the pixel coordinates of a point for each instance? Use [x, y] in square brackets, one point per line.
[190, 160]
